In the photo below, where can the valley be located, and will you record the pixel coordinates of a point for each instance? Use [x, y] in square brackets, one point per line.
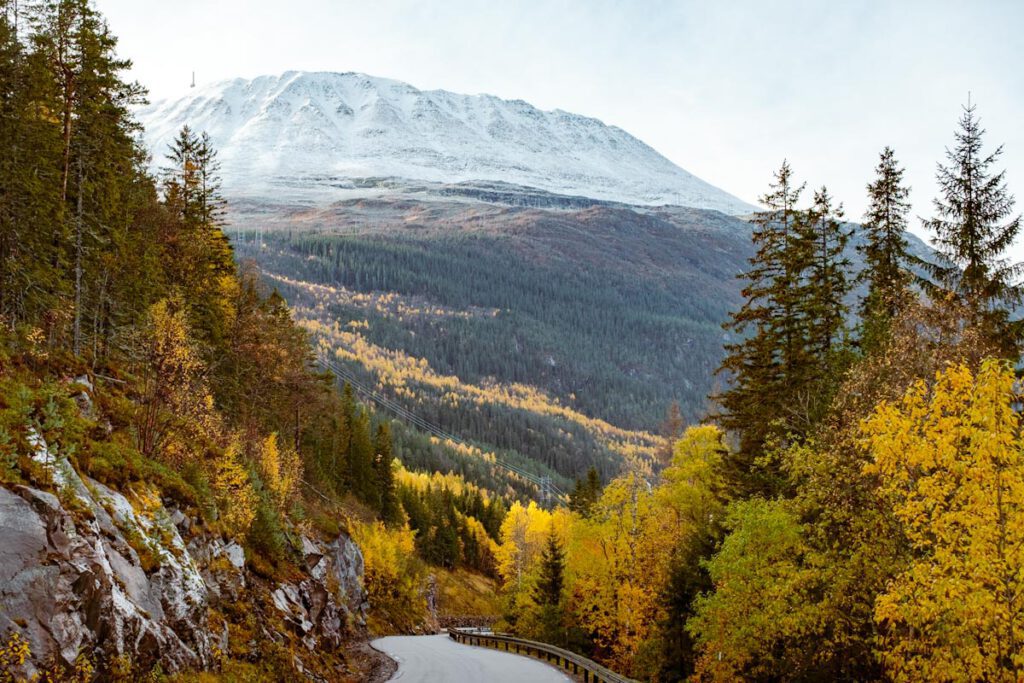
[560, 335]
[300, 370]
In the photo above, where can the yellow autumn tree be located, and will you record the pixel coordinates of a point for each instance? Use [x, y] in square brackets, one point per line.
[693, 489]
[230, 482]
[393, 576]
[281, 469]
[950, 458]
[176, 408]
[618, 559]
[524, 533]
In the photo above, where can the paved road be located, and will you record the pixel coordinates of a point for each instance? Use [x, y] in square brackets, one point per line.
[439, 659]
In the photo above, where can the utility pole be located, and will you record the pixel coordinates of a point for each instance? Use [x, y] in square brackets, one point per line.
[545, 491]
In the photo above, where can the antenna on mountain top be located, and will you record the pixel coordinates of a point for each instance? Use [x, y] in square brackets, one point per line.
[193, 80]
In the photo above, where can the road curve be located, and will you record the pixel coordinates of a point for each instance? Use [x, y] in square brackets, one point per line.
[439, 659]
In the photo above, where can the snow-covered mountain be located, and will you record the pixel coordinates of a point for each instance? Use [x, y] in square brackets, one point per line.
[326, 135]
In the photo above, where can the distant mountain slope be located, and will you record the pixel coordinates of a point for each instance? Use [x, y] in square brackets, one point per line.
[609, 310]
[616, 310]
[330, 135]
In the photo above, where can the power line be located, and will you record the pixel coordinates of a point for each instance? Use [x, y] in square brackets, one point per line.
[421, 422]
[544, 484]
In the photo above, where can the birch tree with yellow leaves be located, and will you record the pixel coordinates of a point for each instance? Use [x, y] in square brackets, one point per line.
[950, 457]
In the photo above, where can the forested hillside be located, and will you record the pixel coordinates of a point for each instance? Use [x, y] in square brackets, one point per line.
[533, 334]
[559, 335]
[613, 310]
[181, 490]
[855, 511]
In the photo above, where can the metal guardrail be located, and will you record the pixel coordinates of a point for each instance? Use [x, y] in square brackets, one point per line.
[591, 671]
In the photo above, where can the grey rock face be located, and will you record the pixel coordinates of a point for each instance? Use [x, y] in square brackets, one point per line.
[109, 577]
[70, 584]
[324, 606]
[346, 567]
[84, 398]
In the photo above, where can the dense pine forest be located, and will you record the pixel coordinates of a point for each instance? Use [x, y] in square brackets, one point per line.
[583, 329]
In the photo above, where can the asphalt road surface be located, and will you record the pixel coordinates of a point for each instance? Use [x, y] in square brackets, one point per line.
[439, 659]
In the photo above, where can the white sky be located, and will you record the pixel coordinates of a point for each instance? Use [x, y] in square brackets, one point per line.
[724, 89]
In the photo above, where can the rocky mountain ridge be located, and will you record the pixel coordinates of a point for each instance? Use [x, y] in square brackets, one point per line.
[330, 136]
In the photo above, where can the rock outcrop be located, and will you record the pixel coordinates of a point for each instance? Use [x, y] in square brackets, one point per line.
[312, 606]
[92, 570]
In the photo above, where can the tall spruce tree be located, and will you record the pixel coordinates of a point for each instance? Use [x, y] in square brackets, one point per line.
[548, 593]
[973, 227]
[771, 351]
[827, 282]
[585, 493]
[886, 260]
[30, 281]
[390, 509]
[361, 472]
[820, 290]
[192, 192]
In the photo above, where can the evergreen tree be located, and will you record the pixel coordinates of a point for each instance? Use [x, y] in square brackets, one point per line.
[192, 192]
[548, 593]
[577, 498]
[688, 578]
[827, 281]
[884, 250]
[360, 459]
[339, 468]
[973, 228]
[212, 205]
[770, 354]
[446, 550]
[585, 493]
[390, 511]
[29, 198]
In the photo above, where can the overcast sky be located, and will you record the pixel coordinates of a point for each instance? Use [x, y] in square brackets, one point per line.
[724, 89]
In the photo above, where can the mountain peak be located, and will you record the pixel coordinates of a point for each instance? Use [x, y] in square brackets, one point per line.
[310, 133]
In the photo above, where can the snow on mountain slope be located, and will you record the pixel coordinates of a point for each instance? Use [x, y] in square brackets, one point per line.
[312, 134]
